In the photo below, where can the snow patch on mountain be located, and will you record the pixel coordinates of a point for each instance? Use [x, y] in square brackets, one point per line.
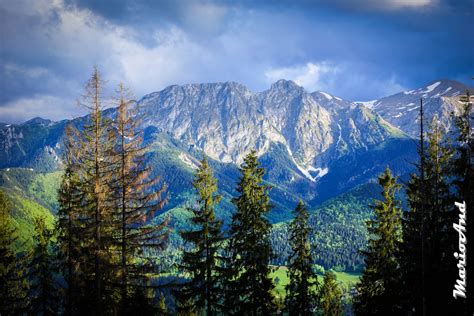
[320, 172]
[340, 135]
[304, 171]
[431, 87]
[187, 161]
[413, 108]
[439, 97]
[367, 104]
[328, 96]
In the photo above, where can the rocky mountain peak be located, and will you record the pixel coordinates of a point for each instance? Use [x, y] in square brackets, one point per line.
[38, 120]
[226, 120]
[284, 85]
[440, 97]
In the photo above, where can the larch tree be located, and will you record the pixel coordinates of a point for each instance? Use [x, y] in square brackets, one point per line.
[248, 285]
[202, 260]
[301, 292]
[379, 287]
[94, 143]
[136, 199]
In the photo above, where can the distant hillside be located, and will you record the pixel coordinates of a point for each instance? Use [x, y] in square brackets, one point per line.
[32, 194]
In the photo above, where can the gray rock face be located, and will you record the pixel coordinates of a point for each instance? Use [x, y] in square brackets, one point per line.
[226, 121]
[35, 143]
[222, 119]
[440, 98]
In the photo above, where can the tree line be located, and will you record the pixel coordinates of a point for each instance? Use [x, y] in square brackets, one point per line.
[100, 258]
[412, 258]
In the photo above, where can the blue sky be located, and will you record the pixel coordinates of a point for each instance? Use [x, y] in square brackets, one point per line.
[357, 50]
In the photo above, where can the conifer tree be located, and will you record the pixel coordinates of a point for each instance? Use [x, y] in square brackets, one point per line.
[93, 143]
[442, 240]
[463, 174]
[412, 252]
[136, 200]
[428, 236]
[301, 296]
[379, 287]
[247, 277]
[331, 296]
[201, 262]
[162, 308]
[108, 201]
[70, 231]
[42, 266]
[463, 169]
[13, 284]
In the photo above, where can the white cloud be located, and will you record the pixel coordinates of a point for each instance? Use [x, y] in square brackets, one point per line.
[173, 60]
[206, 17]
[332, 78]
[211, 42]
[374, 88]
[390, 86]
[393, 4]
[312, 76]
[45, 106]
[407, 3]
[13, 69]
[84, 39]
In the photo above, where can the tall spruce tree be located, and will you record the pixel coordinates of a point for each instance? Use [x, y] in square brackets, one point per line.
[13, 282]
[412, 254]
[42, 267]
[301, 292]
[429, 240]
[463, 175]
[331, 296]
[379, 287]
[247, 278]
[442, 239]
[136, 199]
[201, 261]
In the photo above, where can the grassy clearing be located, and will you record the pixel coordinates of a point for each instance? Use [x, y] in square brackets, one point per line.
[281, 279]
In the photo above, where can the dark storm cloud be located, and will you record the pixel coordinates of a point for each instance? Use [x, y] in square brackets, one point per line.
[358, 50]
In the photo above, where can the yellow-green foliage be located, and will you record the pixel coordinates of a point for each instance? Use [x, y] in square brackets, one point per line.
[24, 211]
[45, 188]
[347, 279]
[32, 195]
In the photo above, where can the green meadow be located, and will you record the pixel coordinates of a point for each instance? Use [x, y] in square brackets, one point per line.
[281, 279]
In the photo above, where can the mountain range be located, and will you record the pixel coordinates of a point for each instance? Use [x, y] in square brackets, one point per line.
[314, 131]
[314, 146]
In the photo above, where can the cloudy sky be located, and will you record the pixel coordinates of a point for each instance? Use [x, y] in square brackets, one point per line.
[358, 50]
